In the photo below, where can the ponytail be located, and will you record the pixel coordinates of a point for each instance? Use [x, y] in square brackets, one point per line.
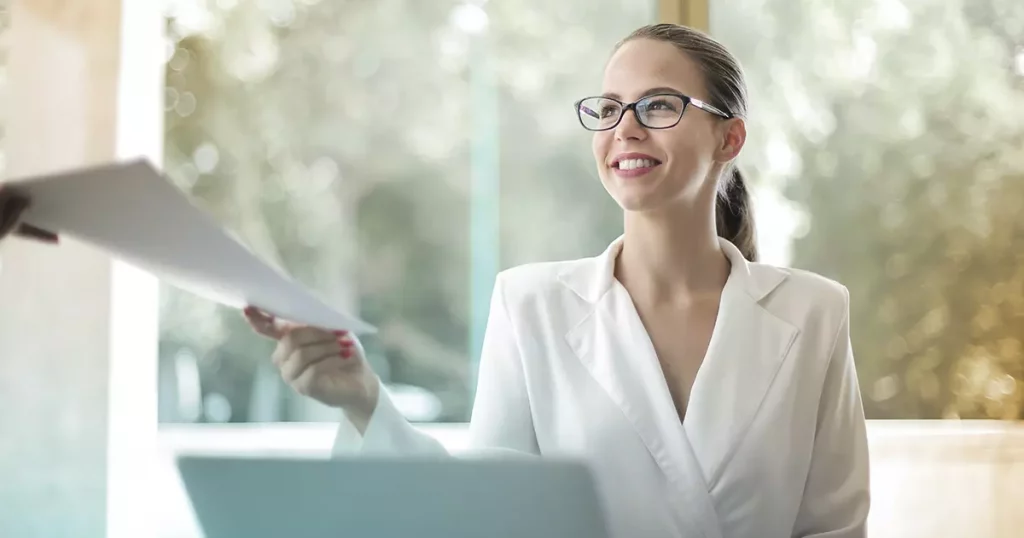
[733, 216]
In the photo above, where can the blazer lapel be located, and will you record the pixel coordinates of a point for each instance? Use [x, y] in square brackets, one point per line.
[747, 348]
[614, 346]
[746, 351]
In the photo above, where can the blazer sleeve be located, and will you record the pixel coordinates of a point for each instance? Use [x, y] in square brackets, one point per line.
[502, 417]
[501, 420]
[836, 497]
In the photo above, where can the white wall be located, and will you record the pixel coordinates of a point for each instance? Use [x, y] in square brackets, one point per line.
[78, 332]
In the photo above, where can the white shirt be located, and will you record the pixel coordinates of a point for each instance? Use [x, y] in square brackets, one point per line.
[773, 443]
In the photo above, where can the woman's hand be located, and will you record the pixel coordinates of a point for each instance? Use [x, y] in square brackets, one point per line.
[328, 366]
[11, 208]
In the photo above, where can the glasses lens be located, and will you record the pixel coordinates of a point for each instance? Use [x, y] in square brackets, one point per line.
[660, 111]
[598, 113]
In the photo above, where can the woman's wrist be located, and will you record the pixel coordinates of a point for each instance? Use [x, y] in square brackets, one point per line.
[360, 412]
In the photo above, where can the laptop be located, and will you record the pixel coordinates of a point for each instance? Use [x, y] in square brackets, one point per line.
[392, 498]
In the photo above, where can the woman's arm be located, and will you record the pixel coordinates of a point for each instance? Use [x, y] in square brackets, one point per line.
[501, 411]
[836, 497]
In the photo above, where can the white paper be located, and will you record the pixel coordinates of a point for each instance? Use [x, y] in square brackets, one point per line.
[132, 212]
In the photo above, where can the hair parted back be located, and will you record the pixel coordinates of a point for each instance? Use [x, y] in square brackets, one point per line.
[727, 90]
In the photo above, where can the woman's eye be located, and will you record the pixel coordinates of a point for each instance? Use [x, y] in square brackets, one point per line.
[609, 111]
[660, 104]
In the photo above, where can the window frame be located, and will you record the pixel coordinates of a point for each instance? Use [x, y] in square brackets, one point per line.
[692, 13]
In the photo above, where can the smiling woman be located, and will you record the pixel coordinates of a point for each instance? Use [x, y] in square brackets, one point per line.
[713, 74]
[852, 179]
[691, 380]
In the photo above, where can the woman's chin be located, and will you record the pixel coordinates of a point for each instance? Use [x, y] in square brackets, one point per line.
[629, 197]
[647, 196]
[636, 194]
[636, 202]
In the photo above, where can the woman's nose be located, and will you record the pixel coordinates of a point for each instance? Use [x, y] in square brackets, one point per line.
[629, 128]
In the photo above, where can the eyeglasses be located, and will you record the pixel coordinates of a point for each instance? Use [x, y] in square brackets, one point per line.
[659, 111]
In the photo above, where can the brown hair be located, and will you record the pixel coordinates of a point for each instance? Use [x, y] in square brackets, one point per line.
[727, 91]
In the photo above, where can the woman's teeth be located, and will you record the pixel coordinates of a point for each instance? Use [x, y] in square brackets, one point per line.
[630, 164]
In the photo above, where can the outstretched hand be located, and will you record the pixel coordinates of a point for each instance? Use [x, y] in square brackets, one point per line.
[328, 366]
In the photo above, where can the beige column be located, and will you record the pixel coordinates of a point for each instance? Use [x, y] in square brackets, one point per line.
[78, 332]
[692, 13]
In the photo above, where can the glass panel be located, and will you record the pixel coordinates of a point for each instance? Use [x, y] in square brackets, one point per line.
[888, 139]
[390, 155]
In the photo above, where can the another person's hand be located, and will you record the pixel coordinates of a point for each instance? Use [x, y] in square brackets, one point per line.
[11, 208]
[327, 366]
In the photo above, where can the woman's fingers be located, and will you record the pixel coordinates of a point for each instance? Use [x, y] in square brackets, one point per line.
[327, 366]
[264, 323]
[303, 336]
[330, 372]
[301, 348]
[311, 340]
[296, 363]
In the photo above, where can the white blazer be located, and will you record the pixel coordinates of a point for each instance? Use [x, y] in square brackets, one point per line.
[773, 443]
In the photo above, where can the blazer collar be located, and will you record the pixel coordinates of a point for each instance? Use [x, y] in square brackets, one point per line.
[591, 278]
[612, 343]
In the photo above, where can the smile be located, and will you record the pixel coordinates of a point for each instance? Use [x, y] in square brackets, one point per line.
[633, 165]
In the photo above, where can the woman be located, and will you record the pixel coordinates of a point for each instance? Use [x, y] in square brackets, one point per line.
[712, 395]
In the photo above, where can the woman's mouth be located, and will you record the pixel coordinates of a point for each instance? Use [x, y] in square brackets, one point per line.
[630, 166]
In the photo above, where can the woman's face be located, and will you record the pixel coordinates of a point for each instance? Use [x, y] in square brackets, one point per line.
[645, 169]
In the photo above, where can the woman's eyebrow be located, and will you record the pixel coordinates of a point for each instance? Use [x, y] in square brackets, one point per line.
[652, 91]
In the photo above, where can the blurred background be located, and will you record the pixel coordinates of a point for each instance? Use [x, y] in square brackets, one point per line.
[394, 155]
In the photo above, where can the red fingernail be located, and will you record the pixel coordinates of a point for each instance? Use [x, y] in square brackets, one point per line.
[344, 342]
[340, 333]
[346, 353]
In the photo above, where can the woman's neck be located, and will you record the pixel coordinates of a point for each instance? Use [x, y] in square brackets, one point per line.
[671, 255]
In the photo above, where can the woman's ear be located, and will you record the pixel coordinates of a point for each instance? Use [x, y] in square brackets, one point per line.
[734, 135]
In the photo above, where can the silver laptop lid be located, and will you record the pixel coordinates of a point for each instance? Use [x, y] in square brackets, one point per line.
[384, 498]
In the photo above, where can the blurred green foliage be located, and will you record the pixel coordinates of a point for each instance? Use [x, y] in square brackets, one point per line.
[904, 123]
[886, 139]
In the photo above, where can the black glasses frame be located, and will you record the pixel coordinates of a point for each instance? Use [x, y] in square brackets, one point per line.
[625, 107]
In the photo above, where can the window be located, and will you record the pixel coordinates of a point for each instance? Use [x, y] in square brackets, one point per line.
[392, 156]
[888, 141]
